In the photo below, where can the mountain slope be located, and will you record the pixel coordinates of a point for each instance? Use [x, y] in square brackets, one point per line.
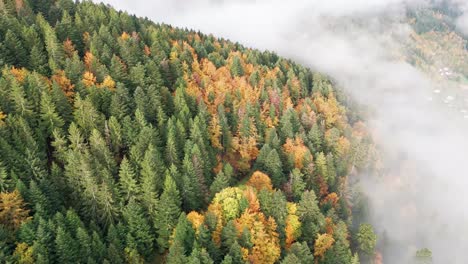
[123, 141]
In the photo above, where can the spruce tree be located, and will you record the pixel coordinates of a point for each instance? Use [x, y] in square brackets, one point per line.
[139, 229]
[127, 180]
[237, 69]
[167, 212]
[66, 247]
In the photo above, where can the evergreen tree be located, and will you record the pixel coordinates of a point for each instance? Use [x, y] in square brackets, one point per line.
[366, 239]
[15, 52]
[5, 181]
[310, 216]
[274, 168]
[150, 179]
[220, 182]
[127, 180]
[37, 60]
[237, 69]
[167, 212]
[184, 233]
[66, 247]
[140, 236]
[176, 253]
[302, 251]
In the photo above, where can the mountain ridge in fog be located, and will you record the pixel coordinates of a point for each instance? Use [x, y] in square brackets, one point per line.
[379, 64]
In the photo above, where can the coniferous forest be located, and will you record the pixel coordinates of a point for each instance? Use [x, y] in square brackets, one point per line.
[126, 141]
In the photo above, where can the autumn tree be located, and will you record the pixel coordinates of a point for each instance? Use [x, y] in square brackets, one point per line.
[323, 243]
[260, 181]
[12, 210]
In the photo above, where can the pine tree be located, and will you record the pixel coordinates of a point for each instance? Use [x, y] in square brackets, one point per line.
[37, 60]
[274, 168]
[331, 171]
[84, 243]
[167, 212]
[139, 229]
[176, 253]
[229, 235]
[321, 165]
[310, 216]
[49, 116]
[237, 69]
[297, 184]
[221, 181]
[366, 239]
[172, 149]
[16, 53]
[291, 259]
[302, 251]
[53, 47]
[191, 195]
[66, 247]
[127, 180]
[150, 178]
[5, 181]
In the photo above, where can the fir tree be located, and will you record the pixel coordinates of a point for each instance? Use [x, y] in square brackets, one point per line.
[167, 212]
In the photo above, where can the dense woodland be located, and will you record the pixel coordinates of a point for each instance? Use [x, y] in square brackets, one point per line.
[126, 141]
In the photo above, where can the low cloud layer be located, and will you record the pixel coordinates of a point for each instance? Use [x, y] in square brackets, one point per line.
[355, 43]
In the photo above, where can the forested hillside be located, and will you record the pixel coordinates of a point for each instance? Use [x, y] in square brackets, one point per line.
[124, 141]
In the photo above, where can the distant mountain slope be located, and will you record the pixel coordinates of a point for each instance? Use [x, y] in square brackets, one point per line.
[123, 141]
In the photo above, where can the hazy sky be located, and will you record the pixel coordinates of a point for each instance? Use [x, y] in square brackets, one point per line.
[424, 206]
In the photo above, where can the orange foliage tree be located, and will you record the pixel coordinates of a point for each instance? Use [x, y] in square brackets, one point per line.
[297, 151]
[64, 83]
[19, 73]
[69, 48]
[259, 181]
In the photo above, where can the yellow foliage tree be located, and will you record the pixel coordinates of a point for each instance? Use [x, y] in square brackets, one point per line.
[266, 247]
[89, 79]
[331, 110]
[323, 243]
[24, 254]
[124, 36]
[293, 225]
[108, 83]
[2, 118]
[215, 132]
[12, 210]
[196, 219]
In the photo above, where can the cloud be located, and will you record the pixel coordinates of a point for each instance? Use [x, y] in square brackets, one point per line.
[422, 201]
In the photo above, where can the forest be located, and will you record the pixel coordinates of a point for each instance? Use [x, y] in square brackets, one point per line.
[126, 141]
